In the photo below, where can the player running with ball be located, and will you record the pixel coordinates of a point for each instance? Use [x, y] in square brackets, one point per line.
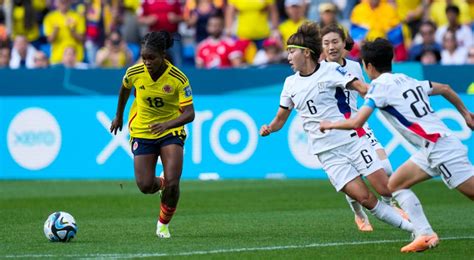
[163, 105]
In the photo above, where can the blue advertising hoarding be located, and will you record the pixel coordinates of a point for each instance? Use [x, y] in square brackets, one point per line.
[67, 137]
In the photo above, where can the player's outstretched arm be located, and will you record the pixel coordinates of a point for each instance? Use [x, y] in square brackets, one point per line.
[356, 122]
[122, 101]
[277, 123]
[448, 93]
[359, 86]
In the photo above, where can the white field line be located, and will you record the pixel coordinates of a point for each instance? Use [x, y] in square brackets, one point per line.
[219, 251]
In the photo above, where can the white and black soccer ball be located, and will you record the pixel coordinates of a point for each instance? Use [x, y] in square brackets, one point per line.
[60, 227]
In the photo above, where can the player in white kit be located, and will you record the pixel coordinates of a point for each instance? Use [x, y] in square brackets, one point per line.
[311, 91]
[404, 101]
[335, 45]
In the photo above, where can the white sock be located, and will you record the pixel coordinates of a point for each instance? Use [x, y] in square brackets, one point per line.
[356, 207]
[159, 224]
[388, 215]
[412, 206]
[387, 166]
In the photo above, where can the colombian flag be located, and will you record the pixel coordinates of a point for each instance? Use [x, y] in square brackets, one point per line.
[358, 32]
[395, 36]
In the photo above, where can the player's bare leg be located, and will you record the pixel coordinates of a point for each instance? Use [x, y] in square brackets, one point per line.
[407, 175]
[144, 167]
[172, 158]
[357, 190]
[379, 181]
[467, 188]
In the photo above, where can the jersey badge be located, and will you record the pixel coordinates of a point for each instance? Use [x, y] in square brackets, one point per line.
[341, 70]
[187, 91]
[167, 89]
[321, 87]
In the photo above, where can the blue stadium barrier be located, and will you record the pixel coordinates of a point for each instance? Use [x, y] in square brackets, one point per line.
[67, 137]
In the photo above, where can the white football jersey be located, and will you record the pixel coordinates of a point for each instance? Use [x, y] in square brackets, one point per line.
[405, 103]
[315, 97]
[351, 95]
[354, 68]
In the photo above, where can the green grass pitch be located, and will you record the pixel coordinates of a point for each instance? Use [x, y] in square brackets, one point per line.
[259, 219]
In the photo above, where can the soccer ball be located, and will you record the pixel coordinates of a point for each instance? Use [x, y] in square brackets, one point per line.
[60, 227]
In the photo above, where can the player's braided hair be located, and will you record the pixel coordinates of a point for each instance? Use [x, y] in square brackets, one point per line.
[334, 28]
[308, 36]
[158, 41]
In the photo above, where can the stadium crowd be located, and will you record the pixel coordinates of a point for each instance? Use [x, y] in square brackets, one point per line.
[222, 34]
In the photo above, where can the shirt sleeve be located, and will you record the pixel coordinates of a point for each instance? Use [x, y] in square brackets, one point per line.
[80, 25]
[127, 82]
[426, 86]
[185, 94]
[48, 25]
[377, 94]
[285, 97]
[342, 76]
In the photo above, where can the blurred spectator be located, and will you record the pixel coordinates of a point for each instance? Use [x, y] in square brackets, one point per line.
[312, 9]
[115, 53]
[346, 7]
[452, 54]
[252, 20]
[198, 14]
[470, 55]
[463, 32]
[22, 54]
[40, 60]
[248, 48]
[328, 14]
[272, 53]
[427, 31]
[100, 21]
[131, 30]
[217, 50]
[4, 56]
[64, 27]
[471, 11]
[295, 11]
[164, 15]
[375, 18]
[438, 11]
[24, 20]
[429, 56]
[70, 59]
[411, 13]
[3, 27]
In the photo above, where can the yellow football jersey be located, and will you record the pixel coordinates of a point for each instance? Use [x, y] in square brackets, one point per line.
[156, 101]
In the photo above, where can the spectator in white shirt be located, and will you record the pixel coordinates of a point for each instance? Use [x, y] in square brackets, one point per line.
[22, 54]
[463, 32]
[452, 54]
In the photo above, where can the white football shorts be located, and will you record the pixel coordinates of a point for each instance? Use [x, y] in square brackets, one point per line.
[446, 158]
[344, 163]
